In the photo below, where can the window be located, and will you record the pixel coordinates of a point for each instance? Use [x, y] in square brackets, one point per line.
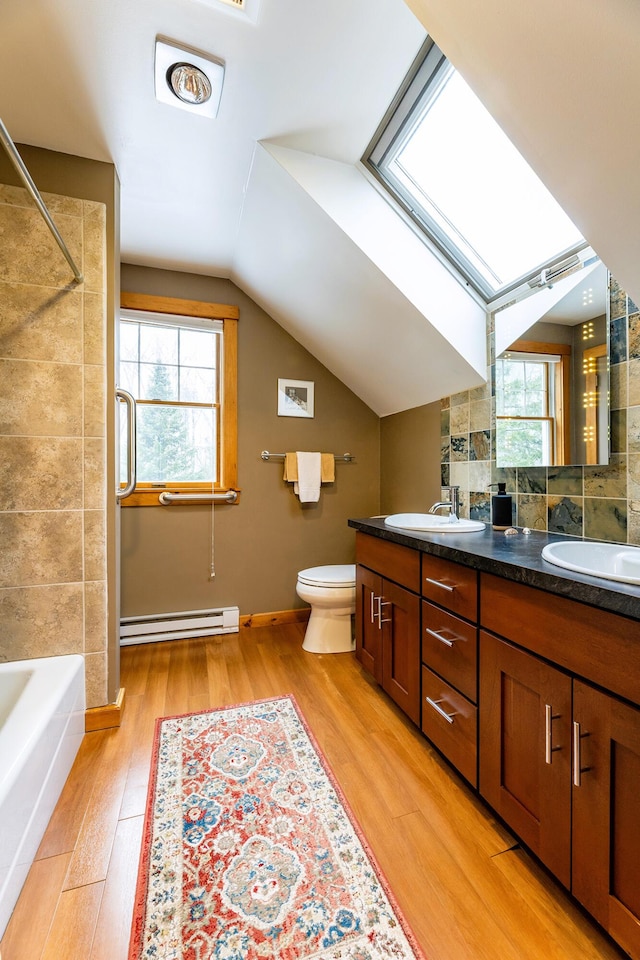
[447, 162]
[178, 360]
[532, 416]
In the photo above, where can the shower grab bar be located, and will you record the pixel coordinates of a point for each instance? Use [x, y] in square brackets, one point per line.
[25, 176]
[167, 498]
[130, 485]
[346, 457]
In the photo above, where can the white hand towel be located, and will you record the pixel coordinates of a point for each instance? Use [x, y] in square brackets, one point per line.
[309, 475]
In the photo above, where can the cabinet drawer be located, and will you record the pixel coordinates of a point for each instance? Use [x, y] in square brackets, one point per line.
[393, 561]
[456, 737]
[600, 646]
[450, 647]
[451, 585]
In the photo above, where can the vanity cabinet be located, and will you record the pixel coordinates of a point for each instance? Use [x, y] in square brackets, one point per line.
[559, 755]
[449, 661]
[606, 812]
[388, 619]
[532, 696]
[525, 749]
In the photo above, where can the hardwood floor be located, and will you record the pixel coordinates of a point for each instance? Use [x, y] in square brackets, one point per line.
[465, 887]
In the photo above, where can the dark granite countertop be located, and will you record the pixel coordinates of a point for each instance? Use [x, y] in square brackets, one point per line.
[516, 558]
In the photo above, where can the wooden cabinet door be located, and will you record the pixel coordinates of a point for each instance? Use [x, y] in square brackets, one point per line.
[606, 813]
[525, 749]
[368, 629]
[400, 616]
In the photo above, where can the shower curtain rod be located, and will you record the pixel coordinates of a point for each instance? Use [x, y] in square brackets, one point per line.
[25, 176]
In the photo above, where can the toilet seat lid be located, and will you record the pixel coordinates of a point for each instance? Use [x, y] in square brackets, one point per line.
[332, 575]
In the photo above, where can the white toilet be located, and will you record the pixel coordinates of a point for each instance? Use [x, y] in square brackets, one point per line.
[331, 591]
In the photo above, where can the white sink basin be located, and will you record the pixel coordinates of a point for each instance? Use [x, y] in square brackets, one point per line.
[432, 523]
[613, 561]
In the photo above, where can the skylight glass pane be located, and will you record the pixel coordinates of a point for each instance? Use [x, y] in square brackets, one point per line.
[459, 174]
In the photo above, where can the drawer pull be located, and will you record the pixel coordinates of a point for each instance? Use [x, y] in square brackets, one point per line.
[439, 583]
[438, 636]
[436, 706]
[549, 717]
[578, 769]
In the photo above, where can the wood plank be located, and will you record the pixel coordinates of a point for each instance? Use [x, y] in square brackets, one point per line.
[176, 305]
[114, 919]
[90, 859]
[66, 822]
[74, 924]
[26, 934]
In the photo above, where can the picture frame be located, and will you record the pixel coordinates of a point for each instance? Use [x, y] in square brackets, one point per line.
[295, 398]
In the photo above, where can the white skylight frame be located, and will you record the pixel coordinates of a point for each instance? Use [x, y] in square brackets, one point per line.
[427, 97]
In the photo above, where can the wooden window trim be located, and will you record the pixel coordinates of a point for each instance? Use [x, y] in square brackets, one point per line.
[562, 438]
[146, 495]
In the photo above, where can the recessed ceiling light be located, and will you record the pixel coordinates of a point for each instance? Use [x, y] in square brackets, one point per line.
[187, 79]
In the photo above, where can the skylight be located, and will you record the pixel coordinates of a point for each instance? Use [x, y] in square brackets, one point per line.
[447, 161]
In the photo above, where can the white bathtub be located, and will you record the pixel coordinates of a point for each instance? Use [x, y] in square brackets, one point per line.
[42, 705]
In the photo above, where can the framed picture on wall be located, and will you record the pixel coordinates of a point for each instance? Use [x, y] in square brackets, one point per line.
[295, 398]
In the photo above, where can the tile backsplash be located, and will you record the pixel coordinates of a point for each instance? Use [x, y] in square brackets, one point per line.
[598, 502]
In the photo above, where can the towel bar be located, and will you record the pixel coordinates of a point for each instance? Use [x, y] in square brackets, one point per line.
[346, 457]
[166, 497]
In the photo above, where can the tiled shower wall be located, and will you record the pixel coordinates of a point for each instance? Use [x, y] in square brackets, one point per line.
[53, 585]
[597, 502]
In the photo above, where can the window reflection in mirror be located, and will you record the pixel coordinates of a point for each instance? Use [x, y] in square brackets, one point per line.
[552, 384]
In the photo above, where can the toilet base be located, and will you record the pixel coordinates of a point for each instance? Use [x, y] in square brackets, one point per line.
[329, 632]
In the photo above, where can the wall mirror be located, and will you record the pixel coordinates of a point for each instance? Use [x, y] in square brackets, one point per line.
[552, 374]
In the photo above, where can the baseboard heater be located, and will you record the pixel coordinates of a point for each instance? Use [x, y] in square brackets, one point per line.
[177, 626]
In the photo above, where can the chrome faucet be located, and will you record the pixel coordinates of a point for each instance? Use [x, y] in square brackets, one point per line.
[453, 503]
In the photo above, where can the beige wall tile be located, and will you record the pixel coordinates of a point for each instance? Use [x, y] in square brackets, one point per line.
[459, 419]
[479, 475]
[40, 548]
[94, 261]
[41, 621]
[40, 323]
[94, 328]
[480, 415]
[95, 545]
[94, 401]
[96, 679]
[619, 384]
[16, 196]
[95, 480]
[41, 473]
[25, 240]
[95, 617]
[66, 206]
[40, 399]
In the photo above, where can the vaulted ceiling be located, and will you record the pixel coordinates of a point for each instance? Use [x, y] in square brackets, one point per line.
[271, 194]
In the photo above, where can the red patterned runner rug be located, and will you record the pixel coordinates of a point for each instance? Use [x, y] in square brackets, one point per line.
[250, 851]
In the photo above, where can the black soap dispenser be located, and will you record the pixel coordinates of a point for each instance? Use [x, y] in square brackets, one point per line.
[501, 511]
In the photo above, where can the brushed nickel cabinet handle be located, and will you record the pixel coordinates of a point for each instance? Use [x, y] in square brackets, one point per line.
[436, 706]
[439, 583]
[549, 717]
[578, 769]
[383, 603]
[438, 636]
[372, 598]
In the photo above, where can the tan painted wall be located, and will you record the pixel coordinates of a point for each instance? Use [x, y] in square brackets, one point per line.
[410, 460]
[260, 544]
